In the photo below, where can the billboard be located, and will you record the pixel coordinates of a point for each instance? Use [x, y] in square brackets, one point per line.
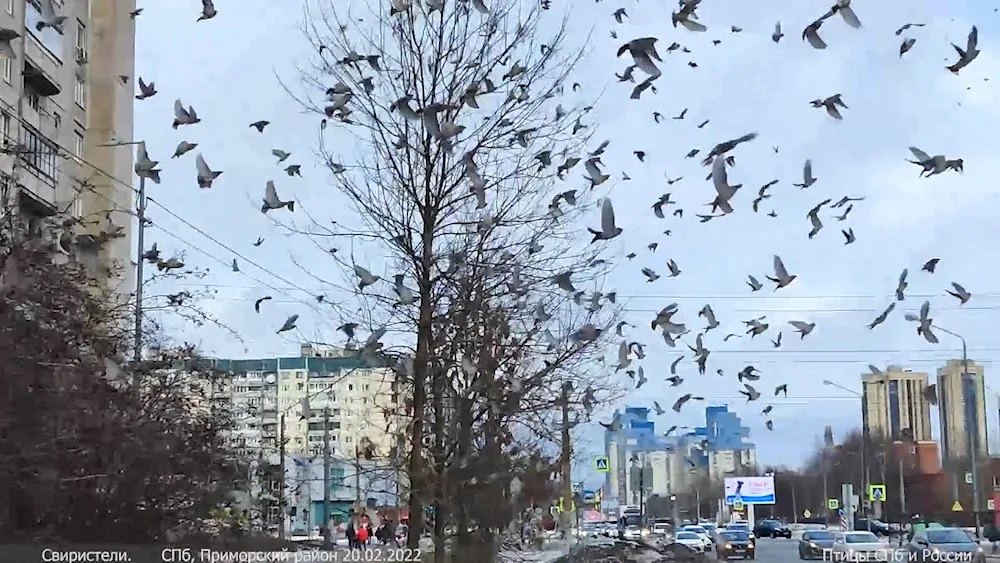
[750, 490]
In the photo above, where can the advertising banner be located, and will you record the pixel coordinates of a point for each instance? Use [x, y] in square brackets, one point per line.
[750, 490]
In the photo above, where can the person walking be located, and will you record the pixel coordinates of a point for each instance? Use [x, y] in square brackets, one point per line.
[362, 534]
[351, 534]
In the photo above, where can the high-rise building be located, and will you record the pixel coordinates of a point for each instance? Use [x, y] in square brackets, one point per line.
[962, 407]
[895, 405]
[638, 462]
[65, 91]
[360, 396]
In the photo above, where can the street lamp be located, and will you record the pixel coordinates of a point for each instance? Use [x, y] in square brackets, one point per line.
[973, 434]
[864, 438]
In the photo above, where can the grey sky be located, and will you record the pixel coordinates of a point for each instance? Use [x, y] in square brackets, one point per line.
[227, 67]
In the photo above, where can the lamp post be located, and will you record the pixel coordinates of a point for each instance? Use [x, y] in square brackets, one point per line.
[973, 434]
[864, 439]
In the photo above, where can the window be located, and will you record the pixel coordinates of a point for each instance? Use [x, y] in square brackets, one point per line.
[56, 120]
[41, 154]
[80, 93]
[7, 70]
[5, 125]
[78, 147]
[78, 207]
[10, 7]
[34, 100]
[81, 37]
[50, 38]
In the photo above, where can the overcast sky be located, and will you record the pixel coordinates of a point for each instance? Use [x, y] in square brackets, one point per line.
[229, 70]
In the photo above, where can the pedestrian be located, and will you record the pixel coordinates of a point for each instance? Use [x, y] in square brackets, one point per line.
[351, 535]
[362, 535]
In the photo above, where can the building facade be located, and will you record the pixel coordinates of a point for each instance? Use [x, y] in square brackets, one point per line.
[639, 464]
[353, 483]
[895, 406]
[291, 398]
[61, 95]
[962, 408]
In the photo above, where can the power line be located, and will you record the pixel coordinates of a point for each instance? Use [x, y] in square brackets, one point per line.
[83, 185]
[731, 296]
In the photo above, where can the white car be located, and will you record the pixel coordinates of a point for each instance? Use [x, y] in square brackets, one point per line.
[858, 545]
[702, 533]
[660, 529]
[632, 533]
[690, 539]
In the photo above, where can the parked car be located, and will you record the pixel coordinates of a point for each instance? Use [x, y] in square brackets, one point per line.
[772, 529]
[690, 539]
[711, 527]
[587, 529]
[858, 546]
[933, 544]
[814, 542]
[734, 543]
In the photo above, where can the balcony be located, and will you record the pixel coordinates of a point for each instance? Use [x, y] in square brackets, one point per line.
[41, 69]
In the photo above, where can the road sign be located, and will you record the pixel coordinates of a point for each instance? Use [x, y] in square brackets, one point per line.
[990, 505]
[832, 504]
[806, 513]
[602, 464]
[957, 507]
[554, 510]
[876, 493]
[968, 477]
[737, 506]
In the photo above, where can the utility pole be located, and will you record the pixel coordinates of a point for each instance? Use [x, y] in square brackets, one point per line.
[327, 533]
[795, 505]
[826, 491]
[565, 455]
[697, 503]
[140, 243]
[902, 491]
[281, 477]
[357, 477]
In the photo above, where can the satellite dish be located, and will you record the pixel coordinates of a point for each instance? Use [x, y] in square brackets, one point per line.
[270, 379]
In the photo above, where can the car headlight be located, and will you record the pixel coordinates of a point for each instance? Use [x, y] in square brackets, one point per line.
[729, 546]
[645, 532]
[813, 545]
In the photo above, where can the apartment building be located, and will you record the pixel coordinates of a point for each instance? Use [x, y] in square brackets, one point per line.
[65, 92]
[894, 405]
[962, 408]
[357, 395]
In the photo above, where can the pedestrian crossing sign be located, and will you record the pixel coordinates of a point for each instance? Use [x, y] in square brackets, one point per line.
[602, 464]
[876, 493]
[737, 506]
[957, 507]
[832, 503]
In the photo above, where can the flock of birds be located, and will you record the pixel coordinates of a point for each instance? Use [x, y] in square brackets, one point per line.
[645, 58]
[439, 121]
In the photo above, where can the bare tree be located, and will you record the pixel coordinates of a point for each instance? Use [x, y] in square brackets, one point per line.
[86, 456]
[459, 175]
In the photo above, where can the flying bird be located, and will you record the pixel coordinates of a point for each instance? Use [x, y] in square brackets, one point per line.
[967, 55]
[803, 328]
[930, 265]
[960, 293]
[260, 125]
[781, 276]
[608, 228]
[643, 51]
[256, 304]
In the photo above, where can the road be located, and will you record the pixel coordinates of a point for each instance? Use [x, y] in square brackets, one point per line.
[781, 550]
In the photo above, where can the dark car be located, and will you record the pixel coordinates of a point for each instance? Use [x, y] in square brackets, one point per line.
[772, 529]
[876, 527]
[734, 543]
[813, 543]
[932, 545]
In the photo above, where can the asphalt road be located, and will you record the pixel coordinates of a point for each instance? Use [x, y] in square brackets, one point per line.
[785, 551]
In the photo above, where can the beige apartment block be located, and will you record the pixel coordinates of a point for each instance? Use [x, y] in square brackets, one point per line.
[895, 403]
[65, 92]
[962, 408]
